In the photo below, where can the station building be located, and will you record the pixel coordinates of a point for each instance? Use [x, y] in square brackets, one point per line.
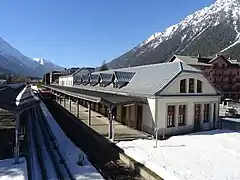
[173, 98]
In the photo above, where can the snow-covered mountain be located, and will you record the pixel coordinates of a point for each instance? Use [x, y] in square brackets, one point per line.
[13, 60]
[211, 30]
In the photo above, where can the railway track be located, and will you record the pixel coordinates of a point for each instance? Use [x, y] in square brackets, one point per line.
[102, 154]
[50, 161]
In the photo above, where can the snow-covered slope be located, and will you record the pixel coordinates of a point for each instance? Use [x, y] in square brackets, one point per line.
[213, 29]
[13, 60]
[39, 60]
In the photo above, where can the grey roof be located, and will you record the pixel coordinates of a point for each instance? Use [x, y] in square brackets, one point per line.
[203, 61]
[77, 71]
[192, 60]
[17, 97]
[147, 80]
[84, 70]
[100, 97]
[236, 62]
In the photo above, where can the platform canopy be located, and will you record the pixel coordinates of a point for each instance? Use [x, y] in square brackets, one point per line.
[17, 97]
[96, 96]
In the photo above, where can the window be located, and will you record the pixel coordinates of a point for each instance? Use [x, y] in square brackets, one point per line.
[170, 116]
[183, 86]
[206, 113]
[223, 66]
[181, 115]
[191, 85]
[199, 86]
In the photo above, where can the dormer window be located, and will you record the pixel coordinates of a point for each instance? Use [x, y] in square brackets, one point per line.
[94, 79]
[105, 79]
[122, 78]
[85, 79]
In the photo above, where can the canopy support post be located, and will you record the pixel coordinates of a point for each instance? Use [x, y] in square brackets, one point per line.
[70, 104]
[17, 144]
[77, 108]
[89, 114]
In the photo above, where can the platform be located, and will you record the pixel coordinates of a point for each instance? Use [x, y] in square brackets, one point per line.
[99, 123]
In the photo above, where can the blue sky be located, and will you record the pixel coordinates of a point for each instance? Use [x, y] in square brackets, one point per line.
[86, 32]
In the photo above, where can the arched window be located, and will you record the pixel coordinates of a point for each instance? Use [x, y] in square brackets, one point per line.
[199, 86]
[191, 85]
[183, 86]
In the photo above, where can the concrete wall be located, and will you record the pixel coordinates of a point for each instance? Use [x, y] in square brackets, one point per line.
[131, 119]
[164, 102]
[174, 87]
[155, 113]
[147, 119]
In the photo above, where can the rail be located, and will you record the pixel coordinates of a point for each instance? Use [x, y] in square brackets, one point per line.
[51, 161]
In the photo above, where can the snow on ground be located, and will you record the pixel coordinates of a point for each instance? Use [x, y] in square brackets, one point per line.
[211, 155]
[10, 171]
[71, 152]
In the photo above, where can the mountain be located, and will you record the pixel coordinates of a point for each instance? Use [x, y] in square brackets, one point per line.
[46, 65]
[214, 29]
[11, 60]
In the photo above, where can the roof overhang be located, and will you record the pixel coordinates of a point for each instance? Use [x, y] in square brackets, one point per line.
[17, 98]
[107, 99]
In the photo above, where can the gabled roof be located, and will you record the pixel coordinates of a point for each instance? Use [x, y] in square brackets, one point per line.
[203, 61]
[17, 97]
[90, 69]
[190, 60]
[220, 56]
[147, 80]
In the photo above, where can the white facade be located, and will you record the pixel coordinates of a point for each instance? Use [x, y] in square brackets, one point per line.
[155, 115]
[66, 80]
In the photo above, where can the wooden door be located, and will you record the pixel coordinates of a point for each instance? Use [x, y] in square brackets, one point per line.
[139, 117]
[124, 113]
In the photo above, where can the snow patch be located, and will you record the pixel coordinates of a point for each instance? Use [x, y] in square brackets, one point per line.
[211, 155]
[39, 60]
[10, 171]
[71, 152]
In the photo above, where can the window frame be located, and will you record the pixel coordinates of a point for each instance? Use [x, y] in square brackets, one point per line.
[191, 87]
[201, 89]
[170, 117]
[183, 87]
